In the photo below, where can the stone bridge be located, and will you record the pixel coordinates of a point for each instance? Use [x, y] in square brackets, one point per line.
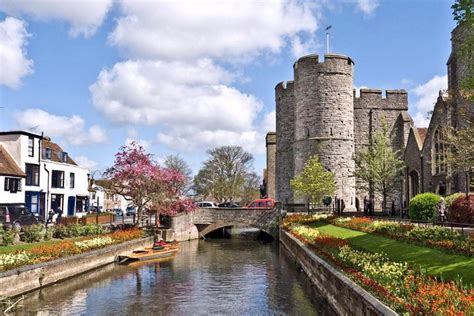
[206, 220]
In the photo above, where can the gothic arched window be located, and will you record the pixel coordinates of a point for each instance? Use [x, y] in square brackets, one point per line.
[440, 152]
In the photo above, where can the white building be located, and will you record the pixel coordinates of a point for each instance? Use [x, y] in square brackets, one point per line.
[104, 199]
[12, 180]
[52, 179]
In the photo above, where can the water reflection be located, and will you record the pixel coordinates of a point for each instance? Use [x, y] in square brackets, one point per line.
[231, 277]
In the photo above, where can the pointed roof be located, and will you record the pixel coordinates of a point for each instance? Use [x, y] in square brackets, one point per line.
[56, 151]
[8, 166]
[422, 134]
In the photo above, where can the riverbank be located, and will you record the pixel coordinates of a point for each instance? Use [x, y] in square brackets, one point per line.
[28, 278]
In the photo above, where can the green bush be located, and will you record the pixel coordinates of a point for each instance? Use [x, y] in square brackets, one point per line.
[60, 231]
[48, 234]
[7, 236]
[76, 230]
[94, 229]
[462, 210]
[33, 233]
[424, 206]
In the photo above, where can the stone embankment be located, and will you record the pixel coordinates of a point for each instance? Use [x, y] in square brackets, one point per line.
[28, 278]
[345, 296]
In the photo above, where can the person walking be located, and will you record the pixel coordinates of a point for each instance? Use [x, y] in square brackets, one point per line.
[50, 217]
[60, 214]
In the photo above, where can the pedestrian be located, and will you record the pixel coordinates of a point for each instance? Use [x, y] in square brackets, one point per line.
[441, 210]
[343, 205]
[60, 214]
[50, 217]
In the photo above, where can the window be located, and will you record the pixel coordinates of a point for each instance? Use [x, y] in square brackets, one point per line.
[12, 185]
[57, 179]
[440, 153]
[47, 153]
[71, 180]
[32, 174]
[31, 146]
[64, 156]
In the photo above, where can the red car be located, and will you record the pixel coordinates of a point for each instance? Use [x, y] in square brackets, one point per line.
[262, 203]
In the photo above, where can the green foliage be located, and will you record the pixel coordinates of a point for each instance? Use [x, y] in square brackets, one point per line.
[314, 181]
[34, 233]
[226, 174]
[175, 162]
[7, 236]
[424, 206]
[463, 11]
[77, 230]
[462, 210]
[379, 166]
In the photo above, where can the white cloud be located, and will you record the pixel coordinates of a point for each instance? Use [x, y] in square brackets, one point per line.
[70, 129]
[212, 28]
[85, 162]
[299, 48]
[368, 7]
[191, 103]
[269, 122]
[427, 94]
[13, 60]
[85, 16]
[132, 136]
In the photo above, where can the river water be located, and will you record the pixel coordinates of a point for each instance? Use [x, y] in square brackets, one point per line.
[220, 277]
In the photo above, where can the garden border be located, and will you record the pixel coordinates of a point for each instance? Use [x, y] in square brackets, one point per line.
[344, 295]
[28, 278]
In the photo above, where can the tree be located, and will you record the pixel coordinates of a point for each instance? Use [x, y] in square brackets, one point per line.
[225, 173]
[176, 163]
[378, 166]
[314, 182]
[461, 156]
[142, 181]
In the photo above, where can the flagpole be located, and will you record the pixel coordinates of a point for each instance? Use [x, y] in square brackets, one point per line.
[327, 38]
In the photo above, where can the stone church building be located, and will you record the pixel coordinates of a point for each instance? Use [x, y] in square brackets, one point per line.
[319, 113]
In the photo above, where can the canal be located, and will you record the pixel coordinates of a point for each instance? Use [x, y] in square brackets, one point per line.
[220, 276]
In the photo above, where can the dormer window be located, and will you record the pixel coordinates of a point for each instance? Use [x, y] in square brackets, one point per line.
[48, 153]
[64, 156]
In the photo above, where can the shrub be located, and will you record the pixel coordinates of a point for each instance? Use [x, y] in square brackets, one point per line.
[424, 206]
[462, 210]
[76, 230]
[450, 198]
[60, 231]
[435, 233]
[8, 236]
[33, 233]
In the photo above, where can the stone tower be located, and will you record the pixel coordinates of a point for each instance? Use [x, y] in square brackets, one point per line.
[285, 137]
[324, 119]
[270, 141]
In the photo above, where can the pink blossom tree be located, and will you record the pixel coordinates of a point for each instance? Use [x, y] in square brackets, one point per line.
[141, 180]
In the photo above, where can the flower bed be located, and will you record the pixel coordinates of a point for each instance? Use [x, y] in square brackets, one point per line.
[446, 239]
[400, 286]
[64, 248]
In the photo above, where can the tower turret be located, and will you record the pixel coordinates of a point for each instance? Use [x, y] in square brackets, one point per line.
[324, 119]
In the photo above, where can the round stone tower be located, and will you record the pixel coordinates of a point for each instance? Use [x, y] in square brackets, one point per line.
[285, 136]
[324, 119]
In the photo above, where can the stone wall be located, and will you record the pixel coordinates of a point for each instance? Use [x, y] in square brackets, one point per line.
[28, 278]
[271, 157]
[285, 137]
[345, 296]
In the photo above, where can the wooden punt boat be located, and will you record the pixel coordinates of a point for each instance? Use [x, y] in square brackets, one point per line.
[165, 251]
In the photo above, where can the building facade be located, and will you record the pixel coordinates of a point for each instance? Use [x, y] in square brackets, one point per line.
[319, 113]
[52, 179]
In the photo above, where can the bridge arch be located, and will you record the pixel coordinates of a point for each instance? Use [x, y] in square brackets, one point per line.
[221, 224]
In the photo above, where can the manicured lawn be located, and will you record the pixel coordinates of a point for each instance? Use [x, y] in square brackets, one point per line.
[432, 261]
[26, 246]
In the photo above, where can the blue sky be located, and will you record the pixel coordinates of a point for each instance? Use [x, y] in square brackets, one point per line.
[182, 78]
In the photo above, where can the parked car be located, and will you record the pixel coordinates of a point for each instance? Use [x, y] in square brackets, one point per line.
[118, 211]
[262, 203]
[229, 205]
[17, 217]
[130, 211]
[206, 204]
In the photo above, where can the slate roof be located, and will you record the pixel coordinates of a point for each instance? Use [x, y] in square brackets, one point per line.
[422, 132]
[8, 166]
[56, 152]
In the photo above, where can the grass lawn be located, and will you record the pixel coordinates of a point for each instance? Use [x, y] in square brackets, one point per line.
[434, 262]
[26, 246]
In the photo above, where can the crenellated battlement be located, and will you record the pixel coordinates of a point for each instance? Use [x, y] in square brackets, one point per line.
[374, 98]
[283, 85]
